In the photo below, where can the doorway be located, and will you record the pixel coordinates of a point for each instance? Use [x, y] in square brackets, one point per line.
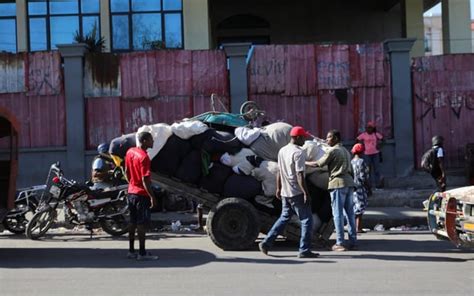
[8, 161]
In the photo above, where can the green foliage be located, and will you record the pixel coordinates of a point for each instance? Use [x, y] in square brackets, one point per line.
[91, 39]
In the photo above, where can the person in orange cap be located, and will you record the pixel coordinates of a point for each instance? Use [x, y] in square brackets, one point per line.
[362, 184]
[372, 141]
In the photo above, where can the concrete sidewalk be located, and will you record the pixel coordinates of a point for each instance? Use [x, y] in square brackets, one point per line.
[387, 216]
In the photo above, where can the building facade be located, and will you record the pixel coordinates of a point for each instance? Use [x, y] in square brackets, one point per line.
[130, 25]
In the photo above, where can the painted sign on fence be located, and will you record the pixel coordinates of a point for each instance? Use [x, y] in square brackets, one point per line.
[443, 91]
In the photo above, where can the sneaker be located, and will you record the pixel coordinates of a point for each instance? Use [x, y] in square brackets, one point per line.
[147, 257]
[263, 248]
[339, 248]
[131, 255]
[308, 255]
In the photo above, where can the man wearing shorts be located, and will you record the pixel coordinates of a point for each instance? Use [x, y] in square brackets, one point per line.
[140, 195]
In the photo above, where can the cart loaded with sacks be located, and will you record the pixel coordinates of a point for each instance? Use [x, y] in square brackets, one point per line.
[223, 161]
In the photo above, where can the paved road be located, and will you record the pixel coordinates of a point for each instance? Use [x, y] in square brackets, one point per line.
[386, 264]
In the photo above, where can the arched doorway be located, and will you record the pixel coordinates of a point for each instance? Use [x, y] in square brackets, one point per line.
[243, 28]
[9, 129]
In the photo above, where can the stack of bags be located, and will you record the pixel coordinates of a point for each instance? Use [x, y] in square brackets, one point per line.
[241, 164]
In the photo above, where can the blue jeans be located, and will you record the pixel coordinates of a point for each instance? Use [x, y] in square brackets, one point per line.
[341, 201]
[373, 162]
[291, 206]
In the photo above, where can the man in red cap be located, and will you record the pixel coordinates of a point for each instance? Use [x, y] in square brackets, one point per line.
[291, 189]
[372, 140]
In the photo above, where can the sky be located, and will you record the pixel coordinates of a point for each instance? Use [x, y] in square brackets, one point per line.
[436, 10]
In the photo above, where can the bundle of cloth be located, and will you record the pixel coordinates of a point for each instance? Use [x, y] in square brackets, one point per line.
[239, 164]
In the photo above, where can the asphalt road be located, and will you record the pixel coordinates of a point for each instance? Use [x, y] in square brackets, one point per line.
[386, 264]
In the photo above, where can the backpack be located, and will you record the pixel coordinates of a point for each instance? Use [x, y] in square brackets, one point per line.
[428, 160]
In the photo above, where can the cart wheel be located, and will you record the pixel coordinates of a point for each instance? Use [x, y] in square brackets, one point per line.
[233, 224]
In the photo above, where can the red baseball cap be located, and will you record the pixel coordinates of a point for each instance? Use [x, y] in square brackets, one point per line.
[357, 148]
[298, 131]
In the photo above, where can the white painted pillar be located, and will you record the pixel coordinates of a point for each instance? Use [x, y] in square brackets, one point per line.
[457, 36]
[414, 26]
[197, 27]
[105, 24]
[21, 26]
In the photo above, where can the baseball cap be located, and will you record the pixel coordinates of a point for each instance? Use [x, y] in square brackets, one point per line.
[298, 131]
[357, 148]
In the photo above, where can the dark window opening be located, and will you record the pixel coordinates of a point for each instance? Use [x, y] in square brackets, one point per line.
[243, 28]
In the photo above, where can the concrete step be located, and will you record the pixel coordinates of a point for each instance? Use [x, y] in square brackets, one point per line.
[393, 217]
[387, 216]
[422, 180]
[397, 197]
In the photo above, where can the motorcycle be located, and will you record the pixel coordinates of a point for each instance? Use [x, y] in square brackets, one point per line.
[26, 202]
[81, 205]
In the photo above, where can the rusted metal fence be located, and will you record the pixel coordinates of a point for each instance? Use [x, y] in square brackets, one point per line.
[318, 86]
[31, 88]
[443, 95]
[323, 87]
[150, 87]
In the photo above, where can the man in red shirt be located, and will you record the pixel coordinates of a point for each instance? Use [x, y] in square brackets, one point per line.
[140, 195]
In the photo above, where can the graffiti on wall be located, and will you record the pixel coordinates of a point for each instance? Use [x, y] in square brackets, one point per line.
[44, 74]
[456, 101]
[41, 82]
[333, 74]
[269, 68]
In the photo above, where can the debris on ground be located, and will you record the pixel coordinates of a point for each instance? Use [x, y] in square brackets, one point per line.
[379, 227]
[409, 228]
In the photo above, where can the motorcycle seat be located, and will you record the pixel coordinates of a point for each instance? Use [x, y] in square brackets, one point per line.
[98, 194]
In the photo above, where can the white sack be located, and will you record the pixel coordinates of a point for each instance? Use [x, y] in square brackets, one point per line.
[267, 173]
[314, 151]
[160, 133]
[189, 128]
[239, 161]
[247, 135]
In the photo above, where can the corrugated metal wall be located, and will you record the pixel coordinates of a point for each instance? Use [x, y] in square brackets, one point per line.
[33, 91]
[443, 90]
[322, 87]
[151, 87]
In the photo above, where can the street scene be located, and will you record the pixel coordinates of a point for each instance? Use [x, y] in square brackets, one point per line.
[218, 147]
[390, 263]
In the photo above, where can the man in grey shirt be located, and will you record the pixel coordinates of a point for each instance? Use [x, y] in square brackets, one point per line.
[341, 187]
[291, 189]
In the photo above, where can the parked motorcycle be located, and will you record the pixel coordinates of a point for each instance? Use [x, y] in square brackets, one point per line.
[25, 205]
[81, 205]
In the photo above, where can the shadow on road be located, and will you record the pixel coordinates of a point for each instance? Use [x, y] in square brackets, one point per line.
[410, 246]
[116, 258]
[384, 257]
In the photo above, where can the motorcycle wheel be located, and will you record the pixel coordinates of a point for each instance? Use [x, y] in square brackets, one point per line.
[15, 225]
[117, 225]
[40, 223]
